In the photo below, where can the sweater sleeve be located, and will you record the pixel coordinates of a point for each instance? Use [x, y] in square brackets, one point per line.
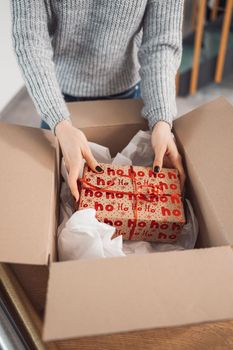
[34, 53]
[160, 56]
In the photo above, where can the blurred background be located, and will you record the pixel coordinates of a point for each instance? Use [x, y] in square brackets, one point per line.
[206, 69]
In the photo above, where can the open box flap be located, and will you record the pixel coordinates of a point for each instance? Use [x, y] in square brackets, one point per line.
[102, 120]
[26, 190]
[205, 136]
[87, 297]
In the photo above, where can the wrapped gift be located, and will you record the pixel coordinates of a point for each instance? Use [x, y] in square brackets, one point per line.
[139, 203]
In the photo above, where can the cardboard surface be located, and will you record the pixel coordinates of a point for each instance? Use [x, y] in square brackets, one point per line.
[139, 292]
[116, 295]
[34, 280]
[103, 121]
[26, 187]
[206, 138]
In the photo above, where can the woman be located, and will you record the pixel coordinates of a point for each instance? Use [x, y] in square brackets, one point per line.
[91, 49]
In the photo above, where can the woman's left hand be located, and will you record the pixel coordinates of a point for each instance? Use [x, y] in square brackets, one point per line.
[166, 152]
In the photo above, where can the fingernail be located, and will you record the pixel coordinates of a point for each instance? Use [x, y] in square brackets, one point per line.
[99, 169]
[156, 169]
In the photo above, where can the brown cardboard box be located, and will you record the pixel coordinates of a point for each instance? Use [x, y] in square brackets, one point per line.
[140, 204]
[131, 296]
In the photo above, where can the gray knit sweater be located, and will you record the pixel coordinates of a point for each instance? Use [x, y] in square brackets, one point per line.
[98, 47]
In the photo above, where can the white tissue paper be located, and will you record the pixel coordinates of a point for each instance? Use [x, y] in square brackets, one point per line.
[139, 151]
[82, 236]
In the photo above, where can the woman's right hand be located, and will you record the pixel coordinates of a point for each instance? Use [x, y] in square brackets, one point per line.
[74, 146]
[166, 152]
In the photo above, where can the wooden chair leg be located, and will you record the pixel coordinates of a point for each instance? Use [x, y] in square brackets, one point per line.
[194, 14]
[223, 41]
[197, 46]
[214, 11]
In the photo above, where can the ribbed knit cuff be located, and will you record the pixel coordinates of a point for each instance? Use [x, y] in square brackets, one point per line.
[155, 115]
[55, 116]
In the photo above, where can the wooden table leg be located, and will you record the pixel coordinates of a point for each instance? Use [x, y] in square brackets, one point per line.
[223, 41]
[197, 46]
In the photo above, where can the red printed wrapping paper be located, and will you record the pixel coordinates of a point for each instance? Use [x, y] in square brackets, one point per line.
[140, 204]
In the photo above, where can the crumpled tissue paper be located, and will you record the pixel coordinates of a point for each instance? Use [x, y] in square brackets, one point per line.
[84, 237]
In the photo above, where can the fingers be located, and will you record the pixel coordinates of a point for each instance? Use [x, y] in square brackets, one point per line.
[73, 177]
[179, 166]
[159, 140]
[177, 163]
[76, 165]
[91, 161]
[168, 156]
[167, 162]
[72, 182]
[158, 162]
